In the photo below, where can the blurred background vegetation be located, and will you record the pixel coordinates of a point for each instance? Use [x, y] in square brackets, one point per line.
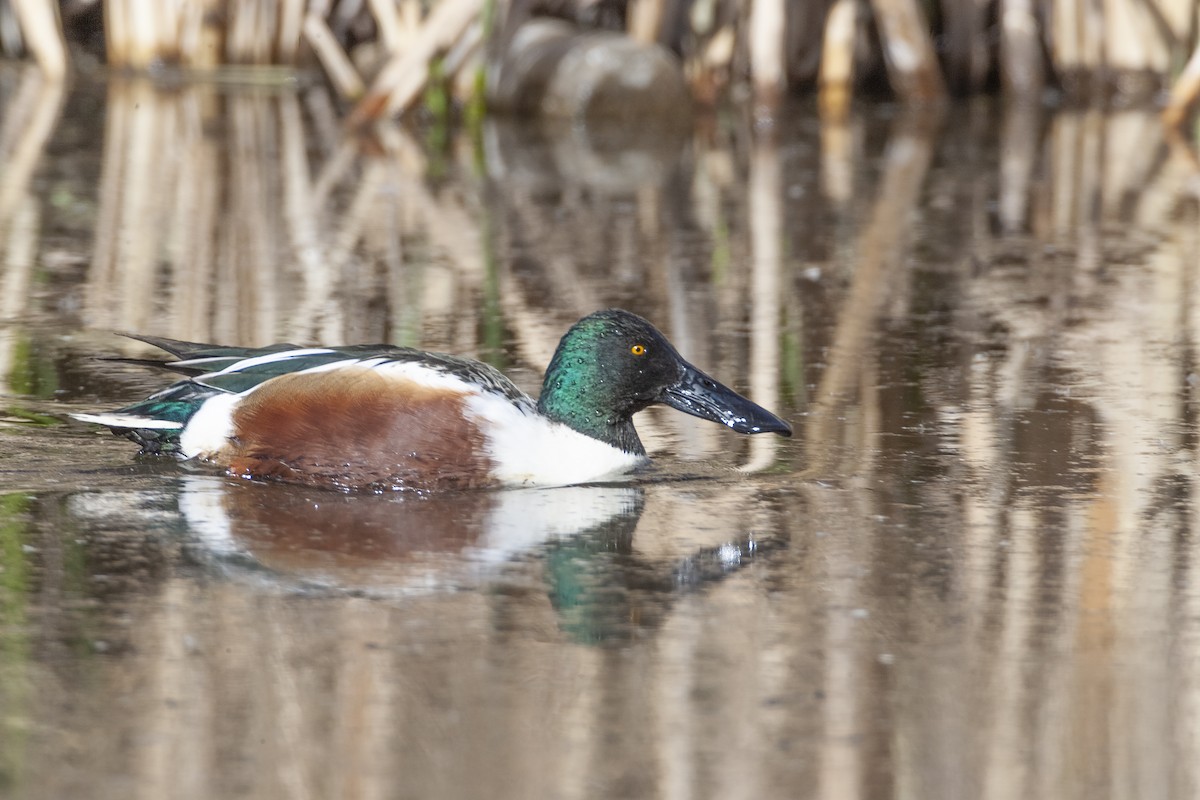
[382, 55]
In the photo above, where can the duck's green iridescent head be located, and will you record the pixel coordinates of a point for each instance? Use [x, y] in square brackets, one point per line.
[612, 364]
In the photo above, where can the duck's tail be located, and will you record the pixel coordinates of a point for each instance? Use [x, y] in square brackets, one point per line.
[156, 422]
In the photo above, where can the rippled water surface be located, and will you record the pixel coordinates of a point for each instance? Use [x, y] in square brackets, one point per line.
[971, 573]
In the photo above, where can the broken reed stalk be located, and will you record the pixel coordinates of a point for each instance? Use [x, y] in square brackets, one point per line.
[290, 31]
[341, 72]
[908, 51]
[1184, 94]
[389, 24]
[116, 38]
[401, 80]
[1021, 67]
[252, 32]
[767, 57]
[142, 16]
[43, 35]
[138, 33]
[464, 61]
[837, 59]
[645, 19]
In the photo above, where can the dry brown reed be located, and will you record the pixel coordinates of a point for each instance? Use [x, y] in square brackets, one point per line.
[908, 51]
[1088, 50]
[1184, 93]
[837, 59]
[42, 32]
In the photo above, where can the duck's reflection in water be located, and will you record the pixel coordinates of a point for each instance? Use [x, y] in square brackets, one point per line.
[575, 543]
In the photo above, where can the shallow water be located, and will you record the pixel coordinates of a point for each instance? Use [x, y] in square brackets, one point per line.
[971, 573]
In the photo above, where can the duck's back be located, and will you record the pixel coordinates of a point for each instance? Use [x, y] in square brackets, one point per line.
[350, 416]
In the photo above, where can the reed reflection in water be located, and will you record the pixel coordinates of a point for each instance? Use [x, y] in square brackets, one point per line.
[971, 574]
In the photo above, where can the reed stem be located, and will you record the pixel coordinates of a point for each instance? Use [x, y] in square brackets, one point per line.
[43, 35]
[337, 64]
[908, 50]
[1184, 93]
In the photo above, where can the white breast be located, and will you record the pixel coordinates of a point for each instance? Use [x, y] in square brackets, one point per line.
[209, 429]
[529, 450]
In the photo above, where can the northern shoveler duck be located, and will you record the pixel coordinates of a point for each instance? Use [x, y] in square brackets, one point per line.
[376, 416]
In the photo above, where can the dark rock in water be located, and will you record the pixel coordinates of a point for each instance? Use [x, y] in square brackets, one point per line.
[553, 70]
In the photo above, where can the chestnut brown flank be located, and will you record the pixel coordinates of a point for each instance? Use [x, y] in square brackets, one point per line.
[357, 428]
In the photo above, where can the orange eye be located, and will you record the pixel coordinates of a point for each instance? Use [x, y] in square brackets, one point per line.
[638, 350]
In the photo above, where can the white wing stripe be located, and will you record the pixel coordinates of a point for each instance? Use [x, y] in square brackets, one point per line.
[369, 363]
[129, 421]
[193, 361]
[269, 358]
